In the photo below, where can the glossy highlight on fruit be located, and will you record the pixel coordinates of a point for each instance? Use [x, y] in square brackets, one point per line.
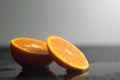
[29, 52]
[66, 54]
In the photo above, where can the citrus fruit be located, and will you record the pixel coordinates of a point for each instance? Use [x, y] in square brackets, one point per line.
[29, 52]
[66, 54]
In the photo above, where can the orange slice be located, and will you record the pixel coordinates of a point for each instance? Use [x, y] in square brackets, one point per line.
[30, 53]
[66, 54]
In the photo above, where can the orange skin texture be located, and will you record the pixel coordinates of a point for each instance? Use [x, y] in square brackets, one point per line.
[30, 60]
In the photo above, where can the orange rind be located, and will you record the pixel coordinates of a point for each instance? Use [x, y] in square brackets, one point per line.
[66, 54]
[30, 53]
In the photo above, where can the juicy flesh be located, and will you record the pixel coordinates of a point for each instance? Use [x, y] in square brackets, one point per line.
[32, 46]
[67, 52]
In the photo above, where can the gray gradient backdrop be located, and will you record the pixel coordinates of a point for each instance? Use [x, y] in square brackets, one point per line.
[84, 22]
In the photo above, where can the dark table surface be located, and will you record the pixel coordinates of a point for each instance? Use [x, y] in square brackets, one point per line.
[104, 65]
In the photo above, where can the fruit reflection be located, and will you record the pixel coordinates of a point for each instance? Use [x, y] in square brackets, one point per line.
[35, 73]
[74, 75]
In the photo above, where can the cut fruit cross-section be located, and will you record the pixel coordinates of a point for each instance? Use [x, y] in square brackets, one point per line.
[66, 54]
[30, 53]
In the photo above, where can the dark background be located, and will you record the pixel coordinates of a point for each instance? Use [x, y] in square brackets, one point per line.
[104, 65]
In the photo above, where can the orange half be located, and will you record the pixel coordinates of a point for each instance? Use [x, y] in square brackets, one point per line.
[29, 52]
[66, 54]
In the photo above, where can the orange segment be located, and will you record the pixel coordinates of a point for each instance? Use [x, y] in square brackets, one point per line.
[30, 53]
[66, 54]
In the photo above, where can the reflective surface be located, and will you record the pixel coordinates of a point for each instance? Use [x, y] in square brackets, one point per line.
[104, 65]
